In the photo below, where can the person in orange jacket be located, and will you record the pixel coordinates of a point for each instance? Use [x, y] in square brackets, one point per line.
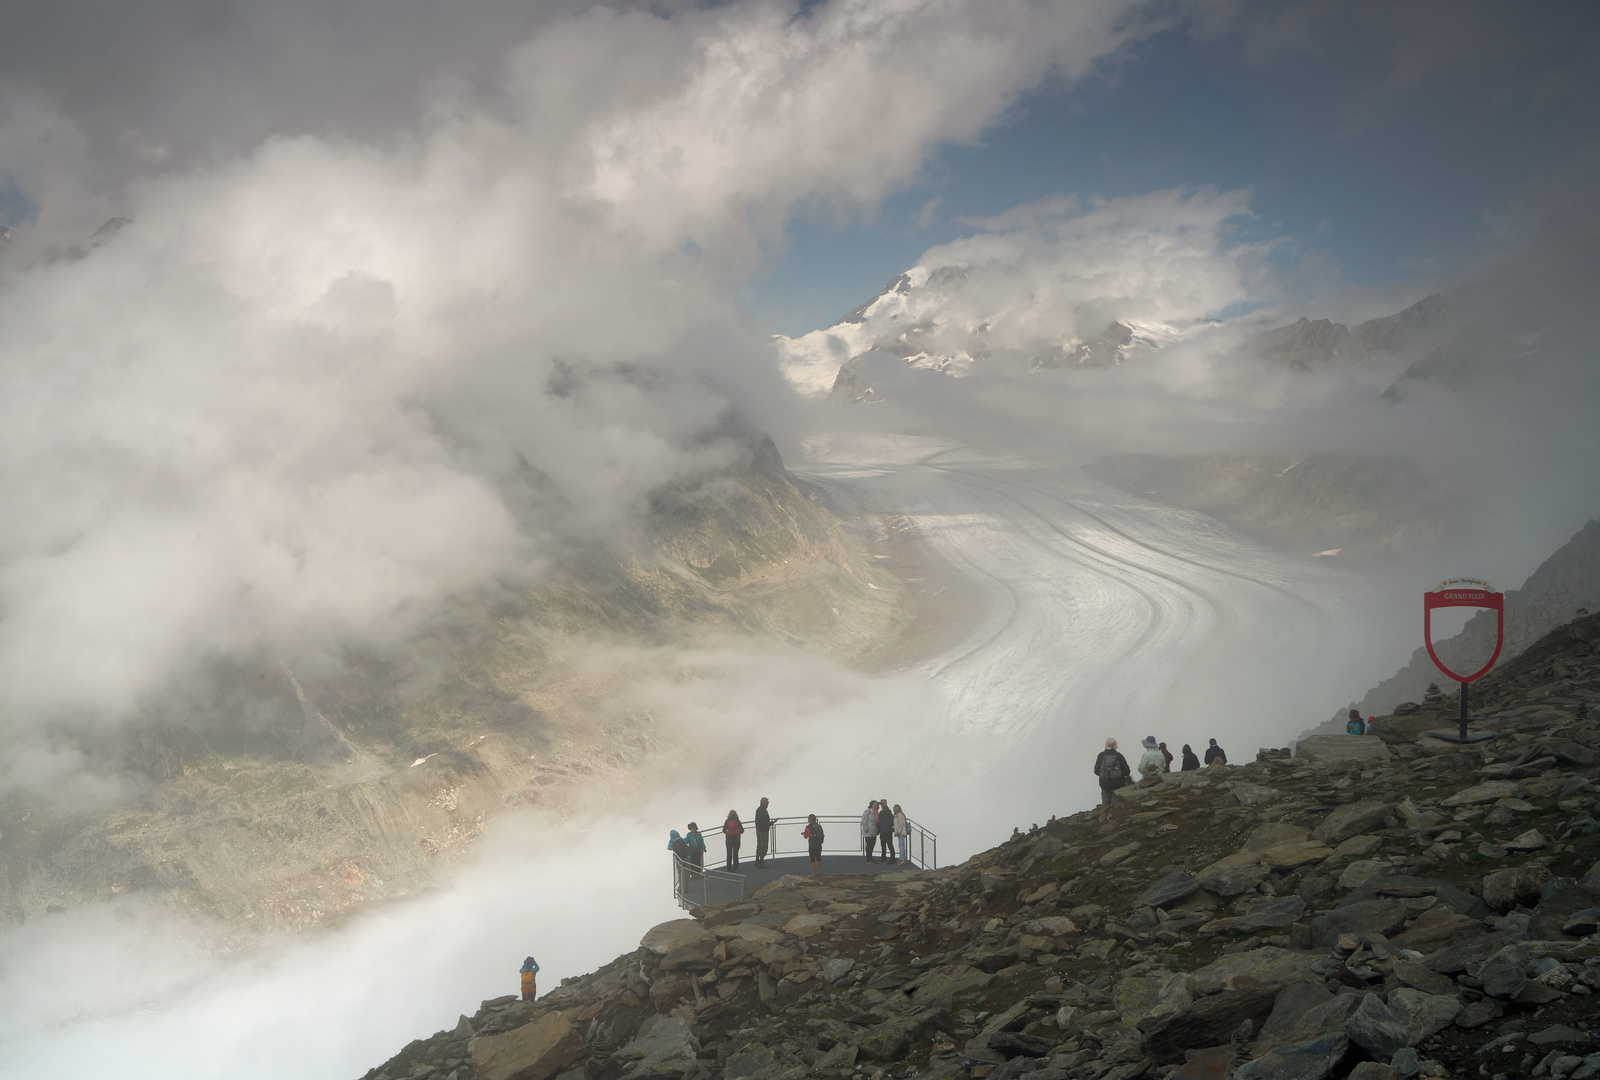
[530, 968]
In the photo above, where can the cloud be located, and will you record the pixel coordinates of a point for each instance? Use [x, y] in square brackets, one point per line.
[292, 402]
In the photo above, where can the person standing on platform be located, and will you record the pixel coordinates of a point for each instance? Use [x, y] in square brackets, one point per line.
[902, 834]
[763, 831]
[732, 829]
[530, 968]
[813, 837]
[886, 831]
[869, 828]
[697, 845]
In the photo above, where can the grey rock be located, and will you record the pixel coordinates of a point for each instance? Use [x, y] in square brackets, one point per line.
[1557, 1035]
[1372, 1070]
[1168, 889]
[1475, 1014]
[1292, 1002]
[1233, 875]
[1421, 1013]
[1373, 916]
[1583, 922]
[1377, 1030]
[1297, 1061]
[1210, 1021]
[1266, 915]
[1320, 1019]
[836, 969]
[747, 1060]
[1504, 889]
[1504, 974]
[1405, 1062]
[1352, 820]
[1559, 902]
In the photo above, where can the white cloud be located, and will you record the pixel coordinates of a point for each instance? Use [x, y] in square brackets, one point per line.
[283, 407]
[1048, 275]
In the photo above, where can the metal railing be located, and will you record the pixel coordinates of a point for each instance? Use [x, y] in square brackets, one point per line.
[695, 885]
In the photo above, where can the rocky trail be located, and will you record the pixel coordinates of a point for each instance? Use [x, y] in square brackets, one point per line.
[1375, 908]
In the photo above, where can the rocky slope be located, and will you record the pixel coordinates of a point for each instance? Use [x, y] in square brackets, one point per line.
[1566, 582]
[1369, 908]
[1351, 507]
[272, 798]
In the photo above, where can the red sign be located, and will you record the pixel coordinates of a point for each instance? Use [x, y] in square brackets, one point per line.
[1464, 592]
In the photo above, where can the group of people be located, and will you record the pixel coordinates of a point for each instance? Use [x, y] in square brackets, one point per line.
[1357, 726]
[1112, 768]
[691, 848]
[887, 828]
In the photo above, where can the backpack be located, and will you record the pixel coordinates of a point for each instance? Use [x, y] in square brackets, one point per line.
[1111, 773]
[813, 832]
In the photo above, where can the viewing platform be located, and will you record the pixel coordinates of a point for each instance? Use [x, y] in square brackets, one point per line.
[788, 853]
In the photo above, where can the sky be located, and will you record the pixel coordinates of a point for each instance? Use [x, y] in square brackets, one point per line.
[295, 300]
[1382, 145]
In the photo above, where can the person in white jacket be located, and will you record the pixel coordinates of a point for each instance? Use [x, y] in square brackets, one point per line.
[902, 835]
[1152, 763]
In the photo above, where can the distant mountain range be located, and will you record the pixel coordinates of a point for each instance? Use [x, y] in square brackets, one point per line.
[928, 318]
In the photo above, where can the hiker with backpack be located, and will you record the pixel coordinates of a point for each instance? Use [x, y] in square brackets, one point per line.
[813, 836]
[1112, 769]
[696, 844]
[732, 829]
[530, 968]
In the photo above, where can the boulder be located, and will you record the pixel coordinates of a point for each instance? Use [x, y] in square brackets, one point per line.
[1352, 820]
[1303, 1012]
[1464, 954]
[535, 1051]
[1273, 833]
[1558, 903]
[1208, 1021]
[1233, 875]
[1168, 889]
[1372, 916]
[1357, 847]
[1475, 1014]
[1591, 878]
[666, 1048]
[938, 986]
[664, 937]
[809, 925]
[1373, 1070]
[1209, 1064]
[1420, 978]
[1271, 914]
[1342, 748]
[1505, 973]
[1375, 1029]
[890, 1040]
[1583, 922]
[1119, 854]
[1360, 873]
[1433, 928]
[1312, 1060]
[1266, 966]
[692, 956]
[1488, 791]
[1532, 840]
[1247, 794]
[1295, 854]
[1422, 1013]
[1505, 889]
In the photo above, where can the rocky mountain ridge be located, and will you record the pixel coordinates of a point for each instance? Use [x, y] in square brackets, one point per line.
[1377, 908]
[1565, 583]
[268, 798]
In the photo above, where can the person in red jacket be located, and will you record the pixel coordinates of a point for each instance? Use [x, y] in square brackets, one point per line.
[732, 829]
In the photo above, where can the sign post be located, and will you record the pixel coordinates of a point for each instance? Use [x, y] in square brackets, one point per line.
[1464, 592]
